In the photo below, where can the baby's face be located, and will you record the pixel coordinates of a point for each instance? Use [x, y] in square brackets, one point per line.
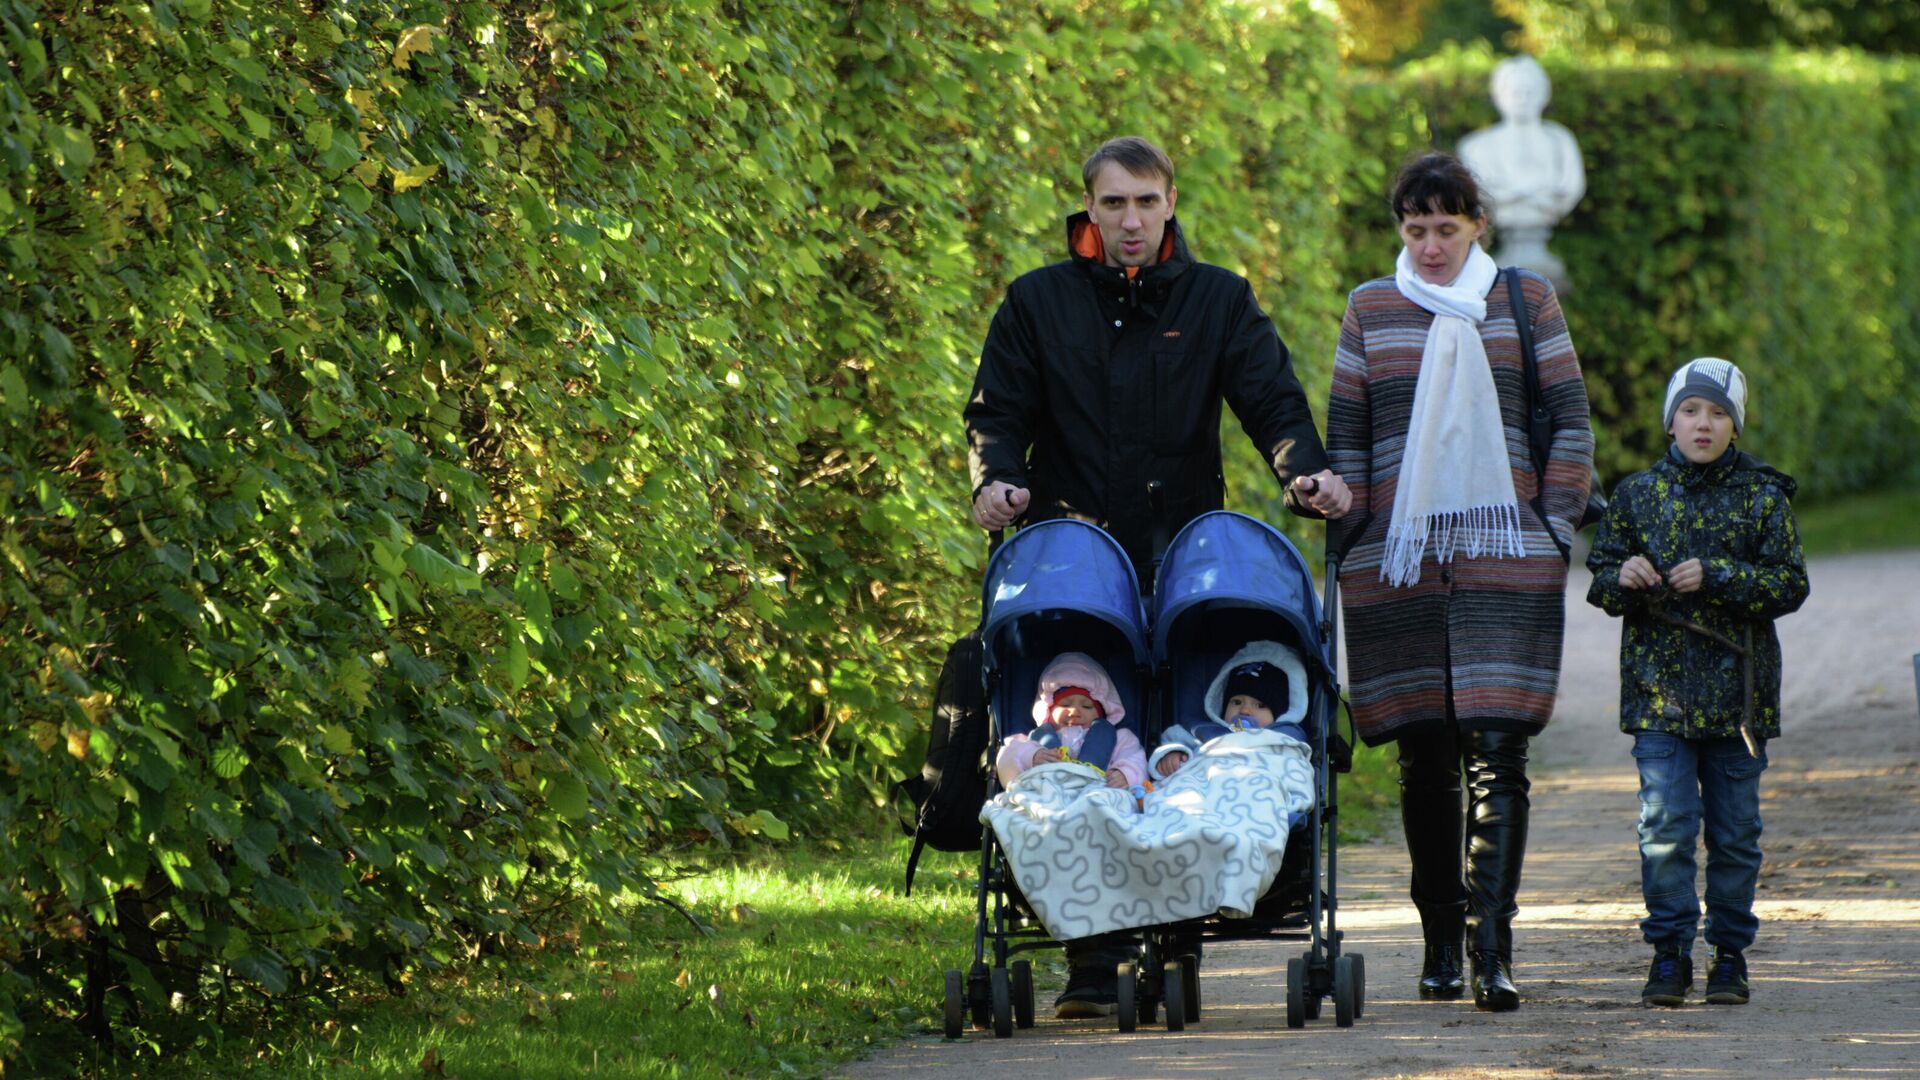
[1249, 707]
[1075, 710]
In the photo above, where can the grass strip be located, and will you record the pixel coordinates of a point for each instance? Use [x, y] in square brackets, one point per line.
[803, 962]
[808, 957]
[1876, 521]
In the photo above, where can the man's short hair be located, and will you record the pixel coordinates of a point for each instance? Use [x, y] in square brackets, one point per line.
[1134, 154]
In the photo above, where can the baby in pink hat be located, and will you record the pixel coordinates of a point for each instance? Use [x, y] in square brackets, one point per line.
[1076, 709]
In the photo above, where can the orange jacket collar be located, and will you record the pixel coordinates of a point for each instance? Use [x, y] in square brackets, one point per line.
[1087, 244]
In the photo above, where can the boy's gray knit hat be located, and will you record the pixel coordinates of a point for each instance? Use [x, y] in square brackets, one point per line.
[1711, 378]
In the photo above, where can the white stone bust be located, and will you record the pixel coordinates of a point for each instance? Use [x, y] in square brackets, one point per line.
[1529, 168]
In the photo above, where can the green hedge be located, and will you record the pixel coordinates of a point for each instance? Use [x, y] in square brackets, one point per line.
[461, 458]
[1757, 207]
[1599, 25]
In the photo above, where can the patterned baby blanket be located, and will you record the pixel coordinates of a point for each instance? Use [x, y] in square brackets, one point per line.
[1210, 838]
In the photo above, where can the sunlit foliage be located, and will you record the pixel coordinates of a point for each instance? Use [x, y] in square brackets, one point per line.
[1599, 25]
[460, 455]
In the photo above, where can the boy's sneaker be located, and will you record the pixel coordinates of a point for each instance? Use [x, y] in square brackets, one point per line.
[1089, 994]
[1727, 978]
[1669, 978]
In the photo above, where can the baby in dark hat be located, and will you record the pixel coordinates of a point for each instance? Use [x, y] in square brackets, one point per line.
[1263, 685]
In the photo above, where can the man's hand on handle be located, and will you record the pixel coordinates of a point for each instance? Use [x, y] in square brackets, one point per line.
[998, 504]
[1325, 492]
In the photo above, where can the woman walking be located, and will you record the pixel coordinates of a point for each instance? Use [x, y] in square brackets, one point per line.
[1454, 583]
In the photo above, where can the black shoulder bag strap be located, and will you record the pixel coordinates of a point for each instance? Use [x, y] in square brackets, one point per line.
[913, 860]
[1539, 421]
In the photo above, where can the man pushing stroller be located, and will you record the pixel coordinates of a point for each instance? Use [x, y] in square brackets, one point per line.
[1088, 438]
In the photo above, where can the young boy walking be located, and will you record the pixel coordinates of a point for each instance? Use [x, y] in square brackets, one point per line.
[1699, 554]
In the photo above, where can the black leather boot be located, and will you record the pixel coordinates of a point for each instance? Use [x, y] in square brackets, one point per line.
[1431, 816]
[1496, 767]
[1443, 972]
[1493, 988]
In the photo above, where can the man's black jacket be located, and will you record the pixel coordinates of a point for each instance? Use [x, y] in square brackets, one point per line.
[1094, 382]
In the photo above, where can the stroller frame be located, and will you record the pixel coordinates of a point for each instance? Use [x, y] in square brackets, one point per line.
[1000, 995]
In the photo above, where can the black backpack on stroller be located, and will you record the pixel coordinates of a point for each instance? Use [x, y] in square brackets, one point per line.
[952, 784]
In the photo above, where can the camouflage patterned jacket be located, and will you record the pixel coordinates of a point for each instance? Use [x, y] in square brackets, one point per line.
[1734, 516]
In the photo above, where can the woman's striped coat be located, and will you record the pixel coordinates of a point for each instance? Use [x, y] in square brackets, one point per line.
[1487, 629]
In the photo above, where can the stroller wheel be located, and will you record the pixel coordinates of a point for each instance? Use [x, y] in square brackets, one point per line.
[1346, 991]
[1002, 1005]
[1315, 991]
[1190, 985]
[1359, 985]
[1127, 1016]
[1296, 993]
[1173, 981]
[956, 1006]
[1022, 994]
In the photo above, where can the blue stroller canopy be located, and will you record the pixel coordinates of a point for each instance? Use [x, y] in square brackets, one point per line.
[1063, 564]
[1225, 559]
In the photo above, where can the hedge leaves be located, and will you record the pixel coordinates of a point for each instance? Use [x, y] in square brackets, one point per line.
[461, 457]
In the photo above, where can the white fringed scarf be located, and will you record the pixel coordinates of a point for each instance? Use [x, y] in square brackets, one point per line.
[1455, 487]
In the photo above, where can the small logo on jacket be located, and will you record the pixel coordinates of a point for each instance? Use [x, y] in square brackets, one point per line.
[1171, 333]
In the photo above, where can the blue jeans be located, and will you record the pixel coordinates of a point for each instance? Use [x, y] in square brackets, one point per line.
[1681, 782]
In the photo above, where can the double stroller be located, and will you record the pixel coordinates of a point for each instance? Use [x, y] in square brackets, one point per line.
[1224, 581]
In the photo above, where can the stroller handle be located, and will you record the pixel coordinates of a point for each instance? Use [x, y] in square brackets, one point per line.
[1330, 593]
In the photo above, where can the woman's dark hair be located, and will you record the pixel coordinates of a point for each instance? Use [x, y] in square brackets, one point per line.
[1432, 182]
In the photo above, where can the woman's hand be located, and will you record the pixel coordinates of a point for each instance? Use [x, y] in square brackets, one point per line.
[1638, 573]
[1047, 755]
[1687, 576]
[1172, 762]
[1117, 779]
[1325, 492]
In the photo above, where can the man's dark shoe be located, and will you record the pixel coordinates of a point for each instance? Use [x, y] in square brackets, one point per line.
[1443, 973]
[1668, 978]
[1493, 989]
[1090, 993]
[1727, 978]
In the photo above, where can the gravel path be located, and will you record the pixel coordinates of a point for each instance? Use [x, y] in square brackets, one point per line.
[1836, 972]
